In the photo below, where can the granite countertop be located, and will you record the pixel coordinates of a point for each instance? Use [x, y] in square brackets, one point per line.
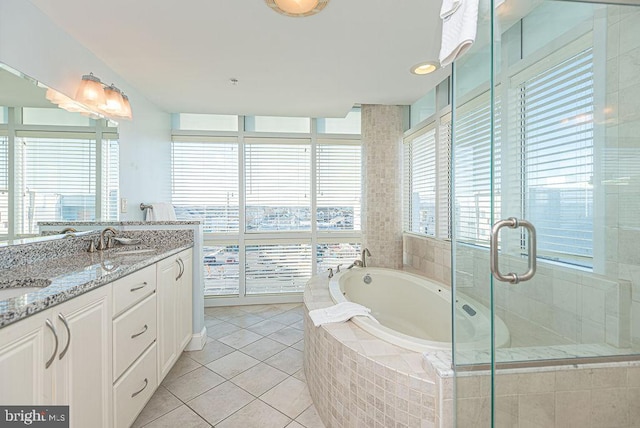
[75, 274]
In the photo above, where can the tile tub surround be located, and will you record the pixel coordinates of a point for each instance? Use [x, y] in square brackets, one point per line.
[73, 271]
[356, 379]
[428, 257]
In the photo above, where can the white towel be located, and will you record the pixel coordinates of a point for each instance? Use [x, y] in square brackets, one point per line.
[449, 7]
[161, 211]
[458, 30]
[339, 313]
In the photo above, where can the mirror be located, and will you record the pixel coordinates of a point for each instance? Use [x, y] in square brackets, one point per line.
[62, 170]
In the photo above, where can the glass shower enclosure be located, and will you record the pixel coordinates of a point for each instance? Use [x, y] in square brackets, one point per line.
[546, 214]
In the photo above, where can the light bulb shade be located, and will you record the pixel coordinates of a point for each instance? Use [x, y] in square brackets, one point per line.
[90, 91]
[126, 108]
[297, 8]
[114, 101]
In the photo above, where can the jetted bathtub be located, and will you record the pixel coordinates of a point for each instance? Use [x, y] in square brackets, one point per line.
[415, 312]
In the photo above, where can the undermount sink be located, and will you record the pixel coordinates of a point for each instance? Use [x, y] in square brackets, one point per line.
[11, 289]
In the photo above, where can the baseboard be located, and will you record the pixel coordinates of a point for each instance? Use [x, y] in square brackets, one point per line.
[198, 340]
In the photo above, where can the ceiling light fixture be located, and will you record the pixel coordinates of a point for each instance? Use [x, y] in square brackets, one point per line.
[94, 97]
[297, 8]
[424, 68]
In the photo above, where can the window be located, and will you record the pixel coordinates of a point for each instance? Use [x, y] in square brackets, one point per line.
[556, 128]
[350, 124]
[278, 185]
[57, 181]
[443, 218]
[278, 268]
[473, 169]
[426, 181]
[205, 183]
[65, 172]
[278, 124]
[339, 187]
[259, 195]
[420, 182]
[206, 122]
[4, 187]
[110, 178]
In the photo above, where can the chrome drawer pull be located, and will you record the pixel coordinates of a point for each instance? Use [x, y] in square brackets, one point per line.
[133, 336]
[66, 325]
[144, 284]
[146, 382]
[55, 349]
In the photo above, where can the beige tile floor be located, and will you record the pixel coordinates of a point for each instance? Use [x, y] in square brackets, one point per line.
[249, 374]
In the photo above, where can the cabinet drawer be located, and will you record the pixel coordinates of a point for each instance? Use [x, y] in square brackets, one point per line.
[133, 390]
[133, 332]
[133, 288]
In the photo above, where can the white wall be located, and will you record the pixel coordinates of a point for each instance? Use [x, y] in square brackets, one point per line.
[34, 45]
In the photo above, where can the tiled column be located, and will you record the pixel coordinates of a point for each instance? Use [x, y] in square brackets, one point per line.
[382, 221]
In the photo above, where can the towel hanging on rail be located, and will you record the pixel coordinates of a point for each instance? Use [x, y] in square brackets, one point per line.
[161, 211]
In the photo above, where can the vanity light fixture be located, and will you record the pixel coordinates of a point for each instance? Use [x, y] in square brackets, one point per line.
[90, 91]
[424, 68]
[297, 8]
[103, 99]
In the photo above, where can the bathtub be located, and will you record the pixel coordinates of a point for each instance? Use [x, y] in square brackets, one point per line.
[414, 312]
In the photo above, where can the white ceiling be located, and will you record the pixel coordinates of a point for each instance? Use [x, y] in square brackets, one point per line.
[182, 55]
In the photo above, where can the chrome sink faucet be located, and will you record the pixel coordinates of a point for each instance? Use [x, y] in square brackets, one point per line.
[102, 245]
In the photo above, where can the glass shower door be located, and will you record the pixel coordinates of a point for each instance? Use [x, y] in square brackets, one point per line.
[546, 122]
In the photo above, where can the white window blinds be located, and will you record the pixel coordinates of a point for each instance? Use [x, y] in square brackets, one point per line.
[277, 184]
[420, 182]
[205, 183]
[277, 268]
[4, 186]
[58, 180]
[444, 177]
[473, 169]
[338, 185]
[110, 179]
[556, 129]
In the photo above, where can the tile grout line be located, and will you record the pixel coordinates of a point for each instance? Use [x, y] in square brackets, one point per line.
[262, 336]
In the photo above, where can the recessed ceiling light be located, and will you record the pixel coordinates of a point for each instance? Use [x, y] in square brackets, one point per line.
[297, 8]
[424, 68]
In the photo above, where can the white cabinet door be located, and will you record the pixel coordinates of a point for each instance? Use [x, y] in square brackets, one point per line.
[83, 377]
[25, 348]
[185, 299]
[167, 272]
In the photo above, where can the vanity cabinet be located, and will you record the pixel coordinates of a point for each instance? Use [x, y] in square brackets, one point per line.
[62, 356]
[83, 364]
[24, 349]
[104, 352]
[174, 279]
[134, 344]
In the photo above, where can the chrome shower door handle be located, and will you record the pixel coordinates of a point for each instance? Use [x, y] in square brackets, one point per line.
[512, 223]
